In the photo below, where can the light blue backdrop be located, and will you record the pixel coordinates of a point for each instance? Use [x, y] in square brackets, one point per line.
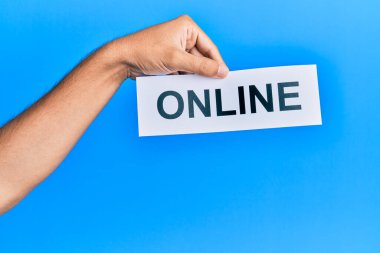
[303, 189]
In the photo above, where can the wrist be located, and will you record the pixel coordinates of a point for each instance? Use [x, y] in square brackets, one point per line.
[115, 55]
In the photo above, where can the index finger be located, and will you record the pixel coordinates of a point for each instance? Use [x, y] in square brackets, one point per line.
[206, 47]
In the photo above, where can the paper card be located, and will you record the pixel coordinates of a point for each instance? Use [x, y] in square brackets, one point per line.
[244, 100]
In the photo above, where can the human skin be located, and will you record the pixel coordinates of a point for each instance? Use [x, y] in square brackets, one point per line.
[34, 143]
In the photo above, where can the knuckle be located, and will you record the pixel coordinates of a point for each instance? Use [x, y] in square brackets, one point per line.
[195, 65]
[206, 68]
[186, 18]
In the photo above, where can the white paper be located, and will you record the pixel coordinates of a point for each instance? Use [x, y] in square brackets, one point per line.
[299, 81]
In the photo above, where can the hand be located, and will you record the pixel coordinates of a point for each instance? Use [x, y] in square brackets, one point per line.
[174, 47]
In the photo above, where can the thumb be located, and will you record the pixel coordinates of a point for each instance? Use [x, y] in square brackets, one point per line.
[201, 65]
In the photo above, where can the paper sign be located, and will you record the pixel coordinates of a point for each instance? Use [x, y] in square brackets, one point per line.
[245, 99]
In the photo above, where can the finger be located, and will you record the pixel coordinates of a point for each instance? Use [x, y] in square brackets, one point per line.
[194, 51]
[198, 39]
[200, 65]
[207, 48]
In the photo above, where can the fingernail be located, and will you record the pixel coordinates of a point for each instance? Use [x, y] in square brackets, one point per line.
[222, 70]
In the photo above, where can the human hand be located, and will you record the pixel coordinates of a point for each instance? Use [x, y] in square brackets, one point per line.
[174, 47]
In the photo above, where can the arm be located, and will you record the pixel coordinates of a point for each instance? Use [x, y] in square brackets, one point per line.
[34, 144]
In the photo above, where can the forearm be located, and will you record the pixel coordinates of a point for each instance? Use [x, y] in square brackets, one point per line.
[35, 143]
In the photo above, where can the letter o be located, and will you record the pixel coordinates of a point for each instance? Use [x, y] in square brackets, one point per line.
[160, 105]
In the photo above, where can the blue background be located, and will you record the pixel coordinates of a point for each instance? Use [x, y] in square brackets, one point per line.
[303, 189]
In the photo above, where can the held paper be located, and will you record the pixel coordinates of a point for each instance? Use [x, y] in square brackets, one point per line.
[244, 100]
